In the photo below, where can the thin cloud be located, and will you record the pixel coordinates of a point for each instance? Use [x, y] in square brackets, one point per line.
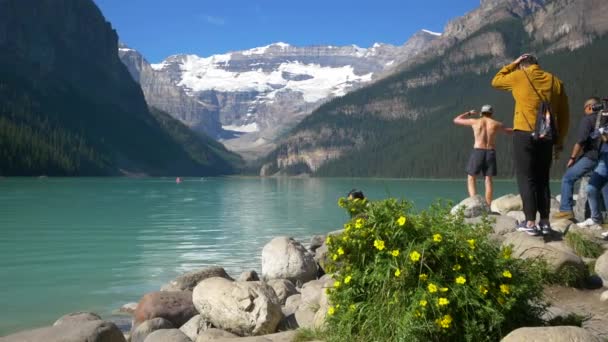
[213, 20]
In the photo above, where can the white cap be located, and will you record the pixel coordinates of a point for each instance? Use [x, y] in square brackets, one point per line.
[487, 109]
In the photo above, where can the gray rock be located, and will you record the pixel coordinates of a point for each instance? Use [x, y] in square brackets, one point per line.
[553, 334]
[472, 207]
[167, 335]
[283, 289]
[174, 306]
[604, 296]
[128, 308]
[601, 268]
[316, 241]
[97, 331]
[518, 215]
[213, 334]
[291, 304]
[141, 332]
[194, 327]
[187, 281]
[305, 316]
[580, 208]
[285, 258]
[249, 276]
[242, 308]
[312, 291]
[286, 336]
[507, 203]
[77, 317]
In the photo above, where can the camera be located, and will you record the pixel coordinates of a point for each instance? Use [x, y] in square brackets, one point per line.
[601, 107]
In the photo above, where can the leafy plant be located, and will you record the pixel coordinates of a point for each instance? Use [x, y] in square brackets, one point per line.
[405, 276]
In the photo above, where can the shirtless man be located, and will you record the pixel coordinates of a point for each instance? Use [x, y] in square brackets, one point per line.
[483, 157]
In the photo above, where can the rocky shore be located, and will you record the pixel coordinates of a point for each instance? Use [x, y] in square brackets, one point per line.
[289, 293]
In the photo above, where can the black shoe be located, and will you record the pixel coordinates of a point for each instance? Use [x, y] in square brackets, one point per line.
[545, 229]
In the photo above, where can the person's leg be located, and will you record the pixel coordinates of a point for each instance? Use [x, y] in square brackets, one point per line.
[598, 179]
[471, 185]
[572, 175]
[489, 189]
[542, 166]
[522, 160]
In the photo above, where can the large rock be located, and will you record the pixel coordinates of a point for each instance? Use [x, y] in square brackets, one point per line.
[213, 334]
[285, 258]
[283, 289]
[84, 331]
[501, 224]
[291, 304]
[507, 203]
[175, 306]
[551, 334]
[249, 276]
[557, 255]
[187, 281]
[601, 268]
[141, 332]
[167, 335]
[287, 336]
[78, 317]
[242, 308]
[194, 327]
[316, 241]
[472, 207]
[581, 208]
[313, 290]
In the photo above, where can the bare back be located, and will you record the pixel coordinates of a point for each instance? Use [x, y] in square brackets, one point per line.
[485, 130]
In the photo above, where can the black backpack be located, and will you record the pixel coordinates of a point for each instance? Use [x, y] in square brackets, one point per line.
[544, 131]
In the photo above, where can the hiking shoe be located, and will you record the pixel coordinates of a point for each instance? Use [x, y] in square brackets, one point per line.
[523, 227]
[563, 215]
[605, 235]
[546, 229]
[590, 224]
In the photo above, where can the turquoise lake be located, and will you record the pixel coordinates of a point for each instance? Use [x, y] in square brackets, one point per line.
[94, 244]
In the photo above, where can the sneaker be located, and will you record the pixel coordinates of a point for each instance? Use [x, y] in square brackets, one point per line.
[563, 215]
[590, 224]
[605, 235]
[545, 229]
[523, 227]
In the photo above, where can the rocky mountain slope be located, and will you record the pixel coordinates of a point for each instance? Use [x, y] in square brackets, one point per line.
[68, 106]
[401, 125]
[248, 98]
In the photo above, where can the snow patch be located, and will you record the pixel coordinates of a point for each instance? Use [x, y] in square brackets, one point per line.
[125, 49]
[249, 128]
[431, 32]
[390, 63]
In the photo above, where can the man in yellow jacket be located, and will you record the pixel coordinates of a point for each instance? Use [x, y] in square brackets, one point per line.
[530, 86]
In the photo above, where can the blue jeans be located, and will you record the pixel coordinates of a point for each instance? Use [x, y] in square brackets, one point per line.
[572, 175]
[599, 178]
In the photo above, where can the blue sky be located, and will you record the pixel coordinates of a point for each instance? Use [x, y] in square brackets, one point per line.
[160, 28]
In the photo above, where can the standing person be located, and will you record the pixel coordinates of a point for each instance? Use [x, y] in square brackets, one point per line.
[532, 87]
[583, 159]
[483, 156]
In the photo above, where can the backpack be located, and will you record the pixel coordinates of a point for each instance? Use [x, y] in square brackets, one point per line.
[546, 126]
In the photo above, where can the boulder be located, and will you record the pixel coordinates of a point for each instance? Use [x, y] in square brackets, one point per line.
[213, 334]
[507, 203]
[581, 208]
[98, 331]
[472, 206]
[187, 281]
[556, 253]
[553, 334]
[501, 224]
[321, 314]
[242, 308]
[291, 304]
[168, 335]
[286, 336]
[194, 327]
[249, 276]
[316, 241]
[175, 306]
[141, 332]
[604, 297]
[518, 215]
[283, 288]
[77, 317]
[312, 291]
[128, 308]
[285, 258]
[601, 268]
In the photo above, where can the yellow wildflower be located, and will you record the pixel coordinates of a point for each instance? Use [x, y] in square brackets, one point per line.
[444, 289]
[401, 220]
[423, 276]
[483, 290]
[504, 288]
[443, 301]
[337, 284]
[359, 223]
[331, 311]
[461, 280]
[432, 288]
[456, 267]
[347, 279]
[471, 243]
[415, 256]
[507, 274]
[397, 273]
[334, 257]
[437, 238]
[352, 307]
[444, 322]
[345, 238]
[395, 252]
[328, 240]
[423, 302]
[379, 244]
[506, 253]
[340, 251]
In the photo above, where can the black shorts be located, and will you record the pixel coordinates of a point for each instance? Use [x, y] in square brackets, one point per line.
[482, 162]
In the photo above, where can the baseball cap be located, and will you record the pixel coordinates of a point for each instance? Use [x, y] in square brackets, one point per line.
[487, 109]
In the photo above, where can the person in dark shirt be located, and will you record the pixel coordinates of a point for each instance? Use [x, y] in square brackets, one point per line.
[583, 159]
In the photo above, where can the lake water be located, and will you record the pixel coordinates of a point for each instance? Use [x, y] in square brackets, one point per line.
[70, 244]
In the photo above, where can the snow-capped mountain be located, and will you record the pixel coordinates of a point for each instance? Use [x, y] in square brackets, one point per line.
[249, 97]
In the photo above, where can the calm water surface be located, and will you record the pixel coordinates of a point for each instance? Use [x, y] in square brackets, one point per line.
[97, 243]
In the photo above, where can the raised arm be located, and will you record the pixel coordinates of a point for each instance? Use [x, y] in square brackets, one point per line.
[464, 119]
[505, 78]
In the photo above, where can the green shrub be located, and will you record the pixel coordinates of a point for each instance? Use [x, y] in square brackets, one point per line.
[583, 246]
[402, 276]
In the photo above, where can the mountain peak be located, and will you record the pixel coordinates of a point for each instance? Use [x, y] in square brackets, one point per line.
[437, 34]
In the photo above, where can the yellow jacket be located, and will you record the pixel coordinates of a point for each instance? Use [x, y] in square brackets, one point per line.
[527, 101]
